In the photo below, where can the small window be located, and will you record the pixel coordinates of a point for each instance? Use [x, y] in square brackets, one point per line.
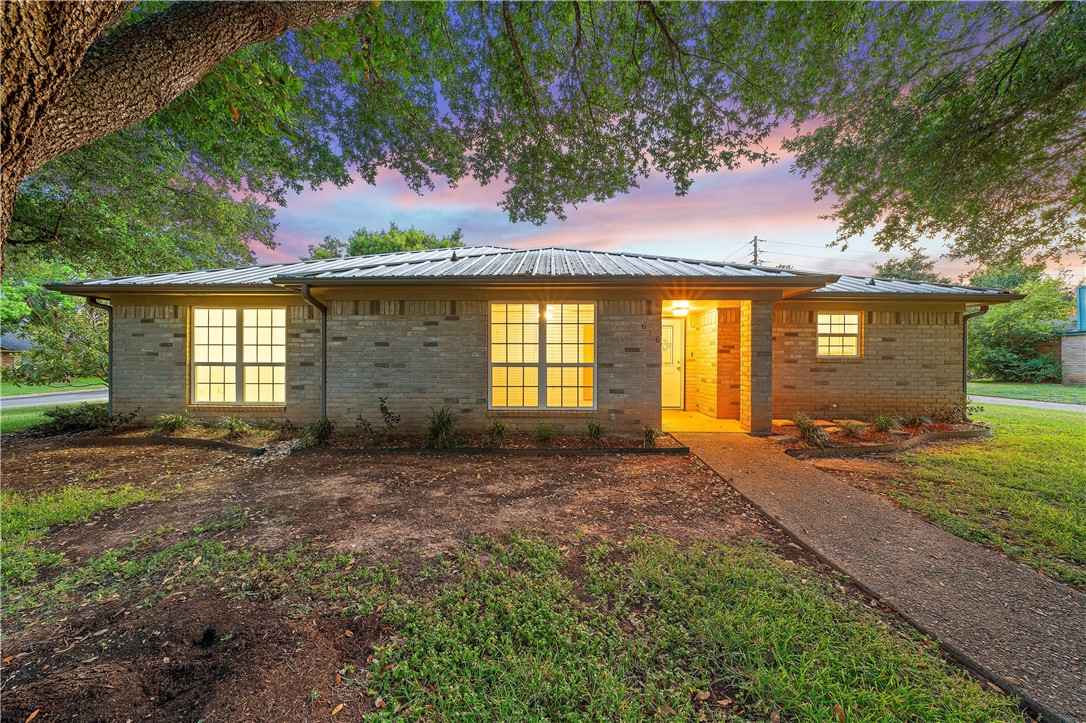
[839, 335]
[542, 356]
[239, 356]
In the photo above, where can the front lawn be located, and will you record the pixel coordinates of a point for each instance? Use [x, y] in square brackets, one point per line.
[1022, 492]
[14, 420]
[645, 589]
[82, 384]
[1065, 393]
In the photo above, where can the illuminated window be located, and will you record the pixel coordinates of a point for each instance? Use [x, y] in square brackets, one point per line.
[239, 356]
[839, 335]
[542, 357]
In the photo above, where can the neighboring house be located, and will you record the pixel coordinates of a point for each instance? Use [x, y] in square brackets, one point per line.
[545, 334]
[11, 346]
[1073, 344]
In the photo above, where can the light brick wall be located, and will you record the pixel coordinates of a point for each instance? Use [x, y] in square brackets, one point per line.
[701, 362]
[424, 355]
[911, 363]
[1074, 359]
[756, 366]
[150, 358]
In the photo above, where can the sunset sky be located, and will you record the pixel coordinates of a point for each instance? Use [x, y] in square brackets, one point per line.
[716, 220]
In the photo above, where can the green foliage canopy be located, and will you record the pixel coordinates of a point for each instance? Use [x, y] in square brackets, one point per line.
[364, 242]
[1007, 343]
[917, 266]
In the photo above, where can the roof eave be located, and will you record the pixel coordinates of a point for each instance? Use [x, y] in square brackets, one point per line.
[913, 296]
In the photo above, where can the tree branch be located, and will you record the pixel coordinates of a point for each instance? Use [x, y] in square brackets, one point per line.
[135, 71]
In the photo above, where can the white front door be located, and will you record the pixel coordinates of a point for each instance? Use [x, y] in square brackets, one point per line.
[672, 346]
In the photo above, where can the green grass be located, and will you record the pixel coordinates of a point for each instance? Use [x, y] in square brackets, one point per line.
[658, 631]
[8, 389]
[1066, 393]
[511, 630]
[14, 420]
[25, 520]
[1023, 492]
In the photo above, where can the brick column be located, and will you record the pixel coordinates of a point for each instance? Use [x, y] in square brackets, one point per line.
[756, 367]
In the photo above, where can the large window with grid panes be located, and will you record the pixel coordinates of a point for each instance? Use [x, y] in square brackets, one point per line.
[542, 356]
[839, 335]
[239, 356]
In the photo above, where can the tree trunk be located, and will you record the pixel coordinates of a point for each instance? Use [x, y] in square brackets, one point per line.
[65, 84]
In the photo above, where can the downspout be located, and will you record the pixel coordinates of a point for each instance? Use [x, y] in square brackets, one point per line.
[965, 347]
[109, 372]
[314, 302]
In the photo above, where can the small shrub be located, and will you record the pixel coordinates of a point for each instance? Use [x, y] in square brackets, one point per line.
[441, 428]
[317, 434]
[651, 433]
[851, 429]
[498, 431]
[544, 432]
[389, 421]
[884, 423]
[960, 411]
[811, 432]
[233, 427]
[595, 432]
[85, 415]
[915, 420]
[169, 423]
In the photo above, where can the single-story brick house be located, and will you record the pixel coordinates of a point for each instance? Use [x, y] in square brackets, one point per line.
[545, 334]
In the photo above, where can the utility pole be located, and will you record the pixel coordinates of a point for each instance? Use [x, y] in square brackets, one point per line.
[755, 261]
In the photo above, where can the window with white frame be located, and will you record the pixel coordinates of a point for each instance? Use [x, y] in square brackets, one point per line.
[839, 335]
[542, 356]
[239, 356]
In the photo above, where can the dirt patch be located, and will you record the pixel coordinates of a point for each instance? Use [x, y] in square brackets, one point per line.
[214, 657]
[185, 659]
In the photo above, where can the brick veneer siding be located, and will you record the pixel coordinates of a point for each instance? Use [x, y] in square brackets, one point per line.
[713, 362]
[756, 366]
[1074, 358]
[912, 362]
[426, 354]
[151, 370]
[701, 363]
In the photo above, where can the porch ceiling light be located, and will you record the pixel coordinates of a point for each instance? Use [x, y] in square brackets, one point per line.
[680, 308]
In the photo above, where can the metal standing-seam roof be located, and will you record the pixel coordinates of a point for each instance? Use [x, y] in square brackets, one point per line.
[494, 263]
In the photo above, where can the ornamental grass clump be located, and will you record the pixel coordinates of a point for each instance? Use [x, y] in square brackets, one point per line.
[851, 429]
[811, 432]
[595, 432]
[441, 429]
[884, 423]
[498, 431]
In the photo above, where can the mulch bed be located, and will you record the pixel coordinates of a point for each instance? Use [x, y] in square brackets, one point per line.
[871, 440]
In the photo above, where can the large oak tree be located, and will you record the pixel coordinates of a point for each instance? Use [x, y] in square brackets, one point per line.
[956, 119]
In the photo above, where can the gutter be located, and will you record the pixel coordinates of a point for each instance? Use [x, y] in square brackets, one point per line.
[965, 346]
[109, 373]
[315, 303]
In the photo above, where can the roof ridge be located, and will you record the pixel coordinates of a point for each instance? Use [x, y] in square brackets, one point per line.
[683, 259]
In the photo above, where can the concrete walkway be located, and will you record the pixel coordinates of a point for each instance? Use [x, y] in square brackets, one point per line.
[1001, 618]
[52, 399]
[1028, 403]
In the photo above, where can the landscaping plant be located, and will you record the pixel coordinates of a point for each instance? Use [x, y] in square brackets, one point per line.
[85, 415]
[650, 435]
[233, 427]
[498, 431]
[389, 421]
[811, 432]
[884, 423]
[544, 432]
[851, 429]
[317, 434]
[169, 423]
[595, 432]
[441, 428]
